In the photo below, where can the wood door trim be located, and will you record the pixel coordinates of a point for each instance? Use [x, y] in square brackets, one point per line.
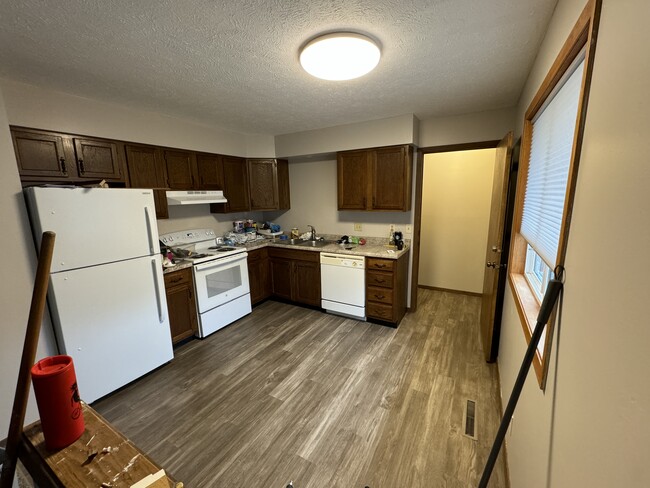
[417, 218]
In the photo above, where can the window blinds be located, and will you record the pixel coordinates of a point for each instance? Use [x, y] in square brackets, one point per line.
[548, 170]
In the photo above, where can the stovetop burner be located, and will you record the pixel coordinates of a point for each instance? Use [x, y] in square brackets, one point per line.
[222, 248]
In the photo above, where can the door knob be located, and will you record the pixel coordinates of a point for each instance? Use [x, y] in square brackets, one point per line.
[490, 264]
[496, 249]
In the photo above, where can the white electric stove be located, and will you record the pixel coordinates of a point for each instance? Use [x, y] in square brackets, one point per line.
[220, 277]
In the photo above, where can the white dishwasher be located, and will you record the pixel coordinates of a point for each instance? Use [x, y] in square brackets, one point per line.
[343, 284]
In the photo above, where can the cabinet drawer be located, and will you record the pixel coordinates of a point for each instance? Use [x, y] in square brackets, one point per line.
[293, 254]
[377, 278]
[180, 277]
[380, 264]
[379, 311]
[257, 254]
[383, 295]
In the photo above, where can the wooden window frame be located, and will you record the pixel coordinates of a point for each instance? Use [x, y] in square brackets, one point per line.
[582, 36]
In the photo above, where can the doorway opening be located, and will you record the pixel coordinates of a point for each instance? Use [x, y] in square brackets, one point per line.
[456, 194]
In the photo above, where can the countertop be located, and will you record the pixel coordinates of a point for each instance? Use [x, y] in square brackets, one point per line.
[372, 249]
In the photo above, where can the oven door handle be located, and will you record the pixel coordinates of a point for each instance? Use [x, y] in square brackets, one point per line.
[220, 262]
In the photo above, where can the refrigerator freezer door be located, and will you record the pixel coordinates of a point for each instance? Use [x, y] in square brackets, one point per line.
[112, 319]
[94, 225]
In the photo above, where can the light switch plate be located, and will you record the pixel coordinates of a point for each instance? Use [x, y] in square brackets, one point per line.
[358, 227]
[408, 229]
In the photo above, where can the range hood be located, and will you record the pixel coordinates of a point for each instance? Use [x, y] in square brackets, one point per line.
[195, 197]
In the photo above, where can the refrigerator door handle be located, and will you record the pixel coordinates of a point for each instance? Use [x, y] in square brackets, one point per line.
[148, 215]
[154, 269]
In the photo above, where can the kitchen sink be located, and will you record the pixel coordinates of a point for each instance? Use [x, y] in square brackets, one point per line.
[314, 243]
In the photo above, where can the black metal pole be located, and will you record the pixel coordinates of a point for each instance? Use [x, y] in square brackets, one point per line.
[548, 304]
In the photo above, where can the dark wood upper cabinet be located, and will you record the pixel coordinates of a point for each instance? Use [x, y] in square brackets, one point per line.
[146, 169]
[41, 154]
[49, 157]
[180, 167]
[97, 158]
[391, 178]
[375, 179]
[263, 184]
[210, 171]
[235, 186]
[268, 182]
[352, 183]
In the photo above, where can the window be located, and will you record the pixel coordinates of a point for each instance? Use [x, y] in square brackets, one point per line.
[550, 152]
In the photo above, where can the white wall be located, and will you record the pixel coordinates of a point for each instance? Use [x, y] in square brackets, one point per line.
[590, 427]
[456, 193]
[18, 269]
[38, 107]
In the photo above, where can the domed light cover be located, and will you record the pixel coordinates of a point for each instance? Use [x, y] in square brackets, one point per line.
[340, 56]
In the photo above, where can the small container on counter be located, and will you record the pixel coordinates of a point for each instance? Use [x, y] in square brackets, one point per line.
[295, 233]
[238, 226]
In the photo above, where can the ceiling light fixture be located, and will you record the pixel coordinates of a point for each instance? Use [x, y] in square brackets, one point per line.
[340, 56]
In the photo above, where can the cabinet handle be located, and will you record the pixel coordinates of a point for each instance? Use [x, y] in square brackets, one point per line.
[63, 168]
[379, 297]
[82, 168]
[377, 280]
[176, 280]
[380, 265]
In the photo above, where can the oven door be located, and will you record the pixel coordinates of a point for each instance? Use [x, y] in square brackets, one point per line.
[220, 281]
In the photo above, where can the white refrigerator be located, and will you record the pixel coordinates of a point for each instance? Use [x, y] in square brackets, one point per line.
[106, 294]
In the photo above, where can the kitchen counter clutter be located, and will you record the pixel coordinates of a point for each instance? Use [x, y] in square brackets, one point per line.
[375, 247]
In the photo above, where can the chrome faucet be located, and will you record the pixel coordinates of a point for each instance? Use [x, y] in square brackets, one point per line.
[313, 232]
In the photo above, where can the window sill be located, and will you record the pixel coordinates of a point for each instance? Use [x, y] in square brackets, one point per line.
[528, 309]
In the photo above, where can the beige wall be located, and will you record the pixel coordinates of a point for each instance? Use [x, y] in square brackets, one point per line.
[456, 194]
[590, 427]
[313, 201]
[32, 106]
[480, 126]
[373, 133]
[18, 269]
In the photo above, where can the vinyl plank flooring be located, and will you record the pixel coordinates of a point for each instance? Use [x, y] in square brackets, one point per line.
[289, 393]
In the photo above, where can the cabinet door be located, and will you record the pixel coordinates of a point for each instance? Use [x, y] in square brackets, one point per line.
[235, 184]
[391, 181]
[306, 283]
[145, 167]
[263, 184]
[210, 171]
[352, 177]
[281, 278]
[180, 167]
[259, 276]
[181, 305]
[284, 191]
[98, 159]
[41, 154]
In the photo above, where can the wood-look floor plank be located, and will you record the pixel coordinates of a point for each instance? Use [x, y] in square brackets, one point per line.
[289, 393]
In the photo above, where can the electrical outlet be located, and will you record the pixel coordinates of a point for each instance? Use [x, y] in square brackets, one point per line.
[358, 227]
[392, 228]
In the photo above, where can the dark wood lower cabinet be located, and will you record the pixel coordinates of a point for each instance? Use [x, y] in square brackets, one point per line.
[386, 288]
[259, 276]
[295, 275]
[181, 306]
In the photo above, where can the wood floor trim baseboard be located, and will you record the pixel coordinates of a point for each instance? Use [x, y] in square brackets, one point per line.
[450, 290]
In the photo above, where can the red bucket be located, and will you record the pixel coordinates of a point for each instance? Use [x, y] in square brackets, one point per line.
[57, 397]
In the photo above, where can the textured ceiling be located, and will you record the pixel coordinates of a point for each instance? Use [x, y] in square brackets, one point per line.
[234, 64]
